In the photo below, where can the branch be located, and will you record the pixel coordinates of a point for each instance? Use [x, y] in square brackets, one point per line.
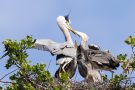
[8, 74]
[132, 47]
[6, 82]
[44, 88]
[17, 65]
[49, 64]
[130, 77]
[35, 84]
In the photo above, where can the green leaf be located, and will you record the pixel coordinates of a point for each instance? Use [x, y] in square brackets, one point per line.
[134, 58]
[104, 77]
[122, 57]
[13, 77]
[132, 64]
[64, 77]
[130, 41]
[0, 88]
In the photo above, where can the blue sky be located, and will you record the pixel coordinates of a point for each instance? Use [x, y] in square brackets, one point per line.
[106, 22]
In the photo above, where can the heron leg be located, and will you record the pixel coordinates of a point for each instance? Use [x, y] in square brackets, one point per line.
[63, 67]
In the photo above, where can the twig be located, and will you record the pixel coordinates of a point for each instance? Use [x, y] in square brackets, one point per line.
[8, 74]
[49, 64]
[132, 47]
[127, 66]
[125, 84]
[35, 84]
[130, 77]
[5, 82]
[44, 88]
[17, 64]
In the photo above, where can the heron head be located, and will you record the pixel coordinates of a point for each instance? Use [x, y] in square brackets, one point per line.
[80, 34]
[64, 22]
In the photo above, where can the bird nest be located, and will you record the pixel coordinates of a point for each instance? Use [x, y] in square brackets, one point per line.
[105, 85]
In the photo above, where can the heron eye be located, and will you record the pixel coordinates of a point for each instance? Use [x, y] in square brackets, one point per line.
[91, 53]
[79, 56]
[66, 22]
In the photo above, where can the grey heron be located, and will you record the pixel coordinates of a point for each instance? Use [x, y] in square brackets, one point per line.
[66, 52]
[86, 69]
[99, 59]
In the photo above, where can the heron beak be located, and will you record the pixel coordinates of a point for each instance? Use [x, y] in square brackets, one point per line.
[70, 28]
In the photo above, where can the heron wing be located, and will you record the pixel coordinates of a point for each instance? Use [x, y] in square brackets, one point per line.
[102, 59]
[87, 71]
[60, 59]
[54, 47]
[71, 68]
[83, 69]
[44, 44]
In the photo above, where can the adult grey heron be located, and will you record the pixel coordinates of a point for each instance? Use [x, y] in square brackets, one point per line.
[66, 52]
[99, 59]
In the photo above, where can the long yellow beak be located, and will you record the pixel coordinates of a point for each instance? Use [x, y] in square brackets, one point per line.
[70, 28]
[73, 31]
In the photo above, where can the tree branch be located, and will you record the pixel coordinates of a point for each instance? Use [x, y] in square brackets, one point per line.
[132, 47]
[49, 64]
[6, 82]
[8, 74]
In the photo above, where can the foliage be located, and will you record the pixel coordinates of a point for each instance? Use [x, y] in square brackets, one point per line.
[128, 67]
[27, 77]
[36, 77]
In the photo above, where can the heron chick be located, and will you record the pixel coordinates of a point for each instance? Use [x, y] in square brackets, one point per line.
[100, 60]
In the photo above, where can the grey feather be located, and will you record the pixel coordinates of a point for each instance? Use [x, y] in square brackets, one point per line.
[55, 48]
[70, 68]
[99, 59]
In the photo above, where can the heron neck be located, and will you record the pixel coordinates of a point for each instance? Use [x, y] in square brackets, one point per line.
[84, 37]
[84, 44]
[67, 36]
